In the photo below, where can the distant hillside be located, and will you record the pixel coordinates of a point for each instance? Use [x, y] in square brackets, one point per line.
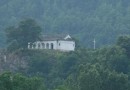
[104, 20]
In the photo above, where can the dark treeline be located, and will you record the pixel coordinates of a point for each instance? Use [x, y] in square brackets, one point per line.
[104, 20]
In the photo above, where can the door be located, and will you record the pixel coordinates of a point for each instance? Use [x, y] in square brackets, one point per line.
[52, 46]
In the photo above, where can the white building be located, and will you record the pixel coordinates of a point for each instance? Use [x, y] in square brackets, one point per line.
[62, 43]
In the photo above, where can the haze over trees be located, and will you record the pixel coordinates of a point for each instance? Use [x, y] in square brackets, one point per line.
[101, 69]
[19, 36]
[105, 68]
[104, 20]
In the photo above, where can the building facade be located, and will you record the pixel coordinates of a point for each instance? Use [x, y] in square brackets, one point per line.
[61, 43]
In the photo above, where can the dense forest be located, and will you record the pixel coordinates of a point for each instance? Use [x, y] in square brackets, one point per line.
[102, 69]
[85, 20]
[105, 68]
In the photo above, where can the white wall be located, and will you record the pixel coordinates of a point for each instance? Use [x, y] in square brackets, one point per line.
[66, 45]
[57, 45]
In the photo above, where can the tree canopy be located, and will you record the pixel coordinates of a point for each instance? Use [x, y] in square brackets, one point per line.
[104, 20]
[10, 81]
[107, 68]
[19, 36]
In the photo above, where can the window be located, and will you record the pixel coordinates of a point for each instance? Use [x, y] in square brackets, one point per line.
[34, 45]
[52, 46]
[47, 46]
[43, 45]
[39, 45]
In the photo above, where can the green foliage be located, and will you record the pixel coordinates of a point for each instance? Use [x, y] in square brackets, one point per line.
[62, 88]
[90, 80]
[40, 62]
[94, 77]
[114, 58]
[85, 19]
[124, 42]
[102, 69]
[9, 81]
[84, 69]
[19, 37]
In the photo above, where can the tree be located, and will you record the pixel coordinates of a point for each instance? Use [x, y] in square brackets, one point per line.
[26, 31]
[89, 78]
[95, 77]
[114, 58]
[9, 81]
[124, 42]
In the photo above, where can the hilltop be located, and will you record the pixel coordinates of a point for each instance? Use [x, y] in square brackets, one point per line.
[104, 20]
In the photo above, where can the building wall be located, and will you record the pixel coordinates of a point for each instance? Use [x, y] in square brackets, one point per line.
[66, 45]
[47, 44]
[56, 45]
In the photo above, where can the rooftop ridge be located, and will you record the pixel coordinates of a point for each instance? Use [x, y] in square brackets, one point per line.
[48, 37]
